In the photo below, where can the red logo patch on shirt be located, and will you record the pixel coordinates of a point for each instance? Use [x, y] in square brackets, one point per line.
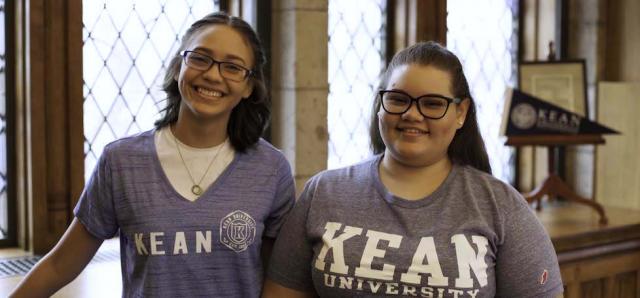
[544, 277]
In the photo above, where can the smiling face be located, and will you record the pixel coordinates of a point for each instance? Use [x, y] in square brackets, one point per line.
[410, 138]
[205, 94]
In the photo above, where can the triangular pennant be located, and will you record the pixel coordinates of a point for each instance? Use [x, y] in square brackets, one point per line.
[525, 114]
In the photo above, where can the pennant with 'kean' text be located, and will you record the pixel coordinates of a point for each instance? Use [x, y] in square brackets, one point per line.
[525, 114]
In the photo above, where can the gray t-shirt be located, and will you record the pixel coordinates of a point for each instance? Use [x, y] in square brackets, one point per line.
[173, 247]
[473, 237]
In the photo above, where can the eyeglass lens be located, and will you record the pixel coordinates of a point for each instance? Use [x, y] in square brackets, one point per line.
[430, 107]
[228, 70]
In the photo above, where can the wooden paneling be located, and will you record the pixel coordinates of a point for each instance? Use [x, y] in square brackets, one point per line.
[622, 62]
[603, 276]
[53, 116]
[595, 260]
[75, 102]
[411, 21]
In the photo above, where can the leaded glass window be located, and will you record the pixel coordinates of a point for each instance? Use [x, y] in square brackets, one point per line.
[4, 218]
[356, 57]
[127, 46]
[483, 33]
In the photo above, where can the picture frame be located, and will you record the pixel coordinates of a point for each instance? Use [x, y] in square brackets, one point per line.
[562, 83]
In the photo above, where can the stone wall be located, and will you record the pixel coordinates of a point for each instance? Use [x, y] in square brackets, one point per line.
[300, 84]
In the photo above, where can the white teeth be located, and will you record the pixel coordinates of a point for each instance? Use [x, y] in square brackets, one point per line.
[209, 93]
[413, 130]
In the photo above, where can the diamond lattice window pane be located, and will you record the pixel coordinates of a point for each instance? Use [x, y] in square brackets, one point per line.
[4, 219]
[127, 45]
[483, 33]
[356, 57]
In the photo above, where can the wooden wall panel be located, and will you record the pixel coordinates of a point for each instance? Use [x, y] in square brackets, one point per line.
[595, 260]
[606, 276]
[53, 118]
[622, 63]
[626, 284]
[411, 21]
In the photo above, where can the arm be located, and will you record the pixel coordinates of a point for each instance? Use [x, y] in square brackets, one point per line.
[526, 263]
[60, 266]
[274, 290]
[289, 274]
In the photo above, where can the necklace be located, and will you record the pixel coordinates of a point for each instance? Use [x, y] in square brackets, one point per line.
[196, 189]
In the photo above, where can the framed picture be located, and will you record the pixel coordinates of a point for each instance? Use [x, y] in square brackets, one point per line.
[562, 83]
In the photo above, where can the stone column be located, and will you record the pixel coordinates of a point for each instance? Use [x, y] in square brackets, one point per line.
[587, 40]
[299, 87]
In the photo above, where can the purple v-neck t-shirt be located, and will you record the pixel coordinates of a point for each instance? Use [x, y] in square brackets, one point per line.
[173, 247]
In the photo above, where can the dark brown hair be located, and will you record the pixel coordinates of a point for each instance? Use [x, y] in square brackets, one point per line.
[249, 118]
[467, 146]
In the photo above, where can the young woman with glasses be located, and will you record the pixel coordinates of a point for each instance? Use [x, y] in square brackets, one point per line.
[198, 200]
[424, 217]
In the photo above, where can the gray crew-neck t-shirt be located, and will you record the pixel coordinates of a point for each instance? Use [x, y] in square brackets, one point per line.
[173, 247]
[474, 236]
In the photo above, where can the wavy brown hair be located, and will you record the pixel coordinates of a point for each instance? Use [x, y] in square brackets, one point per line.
[467, 146]
[250, 117]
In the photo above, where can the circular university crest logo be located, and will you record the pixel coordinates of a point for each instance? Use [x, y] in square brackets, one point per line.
[237, 230]
[523, 116]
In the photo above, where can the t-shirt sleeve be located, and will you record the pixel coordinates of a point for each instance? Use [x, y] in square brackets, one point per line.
[290, 263]
[526, 265]
[283, 200]
[95, 209]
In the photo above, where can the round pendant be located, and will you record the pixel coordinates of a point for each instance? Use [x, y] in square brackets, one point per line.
[196, 190]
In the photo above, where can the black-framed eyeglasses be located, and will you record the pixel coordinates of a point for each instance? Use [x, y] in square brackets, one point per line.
[228, 70]
[432, 106]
